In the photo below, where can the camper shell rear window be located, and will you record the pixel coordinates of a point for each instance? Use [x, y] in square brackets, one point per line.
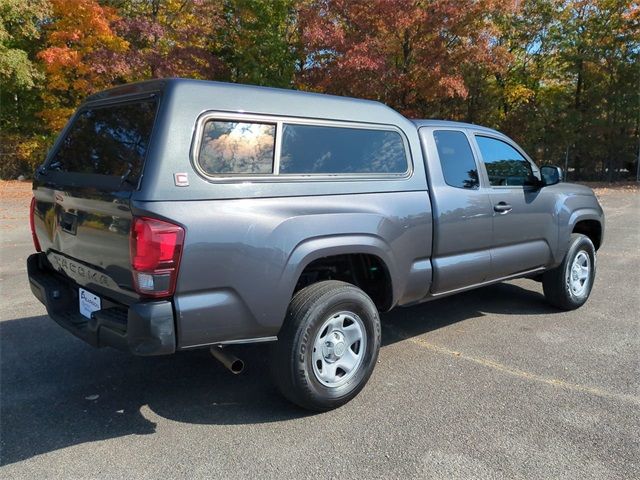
[109, 141]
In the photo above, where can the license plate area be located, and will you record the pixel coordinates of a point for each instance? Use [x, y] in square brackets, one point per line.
[88, 302]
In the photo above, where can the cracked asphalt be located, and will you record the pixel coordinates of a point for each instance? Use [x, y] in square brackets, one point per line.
[492, 383]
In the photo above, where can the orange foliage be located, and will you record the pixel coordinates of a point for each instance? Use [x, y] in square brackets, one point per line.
[408, 54]
[79, 29]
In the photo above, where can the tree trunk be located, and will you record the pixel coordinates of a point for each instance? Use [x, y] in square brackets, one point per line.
[577, 159]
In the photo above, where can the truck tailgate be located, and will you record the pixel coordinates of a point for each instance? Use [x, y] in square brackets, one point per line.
[82, 215]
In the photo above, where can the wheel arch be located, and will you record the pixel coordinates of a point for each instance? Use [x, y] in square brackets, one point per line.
[591, 228]
[588, 222]
[324, 250]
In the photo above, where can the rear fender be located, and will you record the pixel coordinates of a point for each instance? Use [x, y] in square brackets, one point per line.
[320, 247]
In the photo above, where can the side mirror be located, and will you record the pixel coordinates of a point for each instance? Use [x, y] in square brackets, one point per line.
[551, 174]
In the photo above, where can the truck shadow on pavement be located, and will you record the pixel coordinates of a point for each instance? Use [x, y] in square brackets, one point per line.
[501, 298]
[57, 392]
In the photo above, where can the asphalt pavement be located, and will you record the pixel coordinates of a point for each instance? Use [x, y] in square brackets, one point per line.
[492, 383]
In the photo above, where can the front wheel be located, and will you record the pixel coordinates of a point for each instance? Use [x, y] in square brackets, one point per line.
[568, 286]
[328, 345]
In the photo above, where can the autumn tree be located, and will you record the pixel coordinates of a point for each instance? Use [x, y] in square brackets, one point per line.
[408, 54]
[522, 99]
[170, 38]
[78, 33]
[560, 76]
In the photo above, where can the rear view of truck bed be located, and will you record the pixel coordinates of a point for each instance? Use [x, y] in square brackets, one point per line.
[98, 261]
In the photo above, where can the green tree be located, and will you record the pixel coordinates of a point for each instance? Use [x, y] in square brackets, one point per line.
[570, 84]
[21, 139]
[256, 41]
[19, 28]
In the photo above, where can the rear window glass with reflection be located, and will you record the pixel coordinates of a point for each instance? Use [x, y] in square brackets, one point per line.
[110, 141]
[237, 148]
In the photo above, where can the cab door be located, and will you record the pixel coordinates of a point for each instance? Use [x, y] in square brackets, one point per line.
[525, 228]
[462, 210]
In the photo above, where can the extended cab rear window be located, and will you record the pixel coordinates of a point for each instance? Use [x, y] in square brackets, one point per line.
[456, 159]
[110, 140]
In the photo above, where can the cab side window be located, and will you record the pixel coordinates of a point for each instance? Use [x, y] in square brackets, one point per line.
[456, 158]
[506, 167]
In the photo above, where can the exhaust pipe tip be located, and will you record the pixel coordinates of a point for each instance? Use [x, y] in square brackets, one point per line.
[229, 361]
[237, 367]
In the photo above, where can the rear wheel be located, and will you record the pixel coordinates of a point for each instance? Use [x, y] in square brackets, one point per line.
[328, 345]
[568, 286]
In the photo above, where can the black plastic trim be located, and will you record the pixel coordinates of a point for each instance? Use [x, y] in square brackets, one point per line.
[144, 328]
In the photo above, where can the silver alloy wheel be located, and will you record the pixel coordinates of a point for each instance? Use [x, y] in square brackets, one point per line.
[579, 274]
[338, 349]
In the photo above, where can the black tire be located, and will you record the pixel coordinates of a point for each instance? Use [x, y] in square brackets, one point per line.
[555, 283]
[291, 356]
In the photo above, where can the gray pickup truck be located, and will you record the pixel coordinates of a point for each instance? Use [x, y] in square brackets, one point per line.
[179, 214]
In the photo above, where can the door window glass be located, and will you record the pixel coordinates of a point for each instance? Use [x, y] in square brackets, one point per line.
[505, 165]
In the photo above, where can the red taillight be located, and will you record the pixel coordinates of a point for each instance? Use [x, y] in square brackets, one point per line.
[156, 247]
[32, 212]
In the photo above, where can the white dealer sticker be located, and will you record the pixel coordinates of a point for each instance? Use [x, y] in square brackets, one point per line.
[88, 303]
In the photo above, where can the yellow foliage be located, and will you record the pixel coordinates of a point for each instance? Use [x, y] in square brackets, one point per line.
[517, 95]
[56, 117]
[21, 154]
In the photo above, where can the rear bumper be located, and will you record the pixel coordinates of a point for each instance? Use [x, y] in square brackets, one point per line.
[144, 328]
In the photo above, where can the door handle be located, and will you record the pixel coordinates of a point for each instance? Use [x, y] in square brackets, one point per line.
[502, 207]
[69, 222]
